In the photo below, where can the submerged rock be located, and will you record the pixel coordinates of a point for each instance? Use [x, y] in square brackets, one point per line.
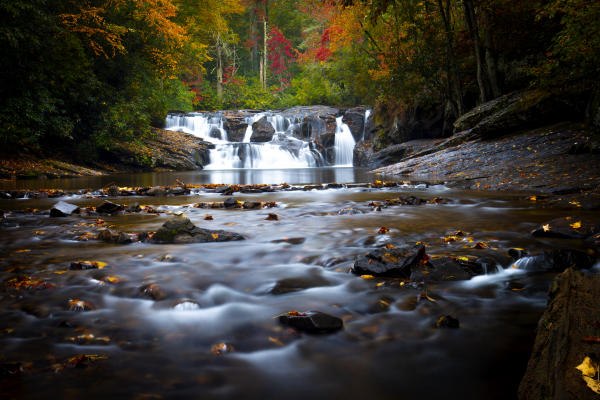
[567, 228]
[311, 321]
[447, 321]
[63, 209]
[446, 269]
[180, 229]
[262, 131]
[108, 207]
[389, 262]
[557, 260]
[288, 285]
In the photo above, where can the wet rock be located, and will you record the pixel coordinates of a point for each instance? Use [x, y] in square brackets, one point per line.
[334, 186]
[515, 254]
[113, 191]
[63, 209]
[83, 265]
[154, 291]
[230, 202]
[178, 190]
[80, 305]
[156, 191]
[312, 321]
[180, 229]
[349, 211]
[108, 207]
[295, 284]
[221, 348]
[355, 119]
[272, 217]
[567, 228]
[447, 321]
[134, 208]
[252, 205]
[557, 260]
[570, 318]
[445, 269]
[262, 131]
[382, 304]
[295, 241]
[389, 262]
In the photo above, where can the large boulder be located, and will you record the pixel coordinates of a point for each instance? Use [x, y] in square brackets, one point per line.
[515, 111]
[262, 131]
[355, 119]
[235, 125]
[389, 262]
[63, 209]
[180, 229]
[567, 336]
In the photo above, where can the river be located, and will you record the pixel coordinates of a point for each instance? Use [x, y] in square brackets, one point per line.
[212, 293]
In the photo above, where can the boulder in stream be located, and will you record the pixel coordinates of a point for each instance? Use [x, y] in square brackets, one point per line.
[262, 131]
[389, 262]
[180, 229]
[567, 228]
[568, 334]
[446, 269]
[557, 260]
[311, 321]
[108, 207]
[63, 209]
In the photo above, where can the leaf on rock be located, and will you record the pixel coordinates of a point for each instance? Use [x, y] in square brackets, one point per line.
[590, 374]
[575, 225]
[383, 230]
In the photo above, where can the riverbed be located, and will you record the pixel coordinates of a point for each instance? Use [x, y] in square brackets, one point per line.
[199, 320]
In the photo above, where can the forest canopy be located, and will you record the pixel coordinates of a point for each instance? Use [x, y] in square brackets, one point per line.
[87, 73]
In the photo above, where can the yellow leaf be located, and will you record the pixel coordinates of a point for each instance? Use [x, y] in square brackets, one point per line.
[367, 277]
[380, 284]
[533, 198]
[587, 368]
[61, 272]
[576, 225]
[214, 235]
[276, 341]
[462, 258]
[546, 227]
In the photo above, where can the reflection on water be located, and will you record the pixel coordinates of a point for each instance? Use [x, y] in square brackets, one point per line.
[230, 177]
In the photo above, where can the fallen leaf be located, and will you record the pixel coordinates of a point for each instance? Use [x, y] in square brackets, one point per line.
[275, 341]
[214, 236]
[546, 227]
[575, 225]
[367, 277]
[383, 230]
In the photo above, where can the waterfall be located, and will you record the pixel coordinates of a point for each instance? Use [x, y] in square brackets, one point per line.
[295, 142]
[344, 144]
[367, 115]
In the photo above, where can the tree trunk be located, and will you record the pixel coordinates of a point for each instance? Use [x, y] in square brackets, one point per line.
[454, 84]
[264, 66]
[484, 90]
[219, 68]
[254, 38]
[490, 57]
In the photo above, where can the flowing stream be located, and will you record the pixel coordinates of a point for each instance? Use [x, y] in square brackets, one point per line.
[230, 292]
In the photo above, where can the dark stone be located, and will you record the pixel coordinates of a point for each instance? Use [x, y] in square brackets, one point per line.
[445, 269]
[334, 186]
[355, 119]
[83, 265]
[178, 190]
[230, 202]
[180, 229]
[109, 207]
[515, 111]
[570, 318]
[113, 191]
[295, 241]
[447, 321]
[515, 254]
[567, 228]
[312, 322]
[153, 291]
[63, 209]
[235, 125]
[389, 262]
[558, 260]
[288, 285]
[134, 208]
[262, 131]
[156, 191]
[252, 205]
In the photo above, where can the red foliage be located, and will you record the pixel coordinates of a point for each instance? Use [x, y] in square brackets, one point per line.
[281, 53]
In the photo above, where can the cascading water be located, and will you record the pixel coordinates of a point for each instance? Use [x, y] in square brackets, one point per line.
[284, 150]
[344, 144]
[367, 115]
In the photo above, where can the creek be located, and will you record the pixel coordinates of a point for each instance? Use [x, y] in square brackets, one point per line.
[230, 292]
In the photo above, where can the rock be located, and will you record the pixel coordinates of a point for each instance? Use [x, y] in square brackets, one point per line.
[288, 285]
[80, 305]
[221, 348]
[447, 321]
[235, 124]
[154, 291]
[355, 119]
[312, 322]
[334, 186]
[445, 269]
[262, 131]
[570, 318]
[108, 207]
[156, 191]
[389, 262]
[515, 254]
[514, 111]
[252, 205]
[295, 241]
[83, 265]
[272, 217]
[63, 209]
[178, 190]
[557, 260]
[113, 191]
[230, 202]
[567, 228]
[180, 229]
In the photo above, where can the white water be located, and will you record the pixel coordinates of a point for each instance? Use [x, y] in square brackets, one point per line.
[367, 115]
[283, 151]
[344, 144]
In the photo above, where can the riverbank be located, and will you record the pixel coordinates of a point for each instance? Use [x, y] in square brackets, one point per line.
[161, 151]
[557, 163]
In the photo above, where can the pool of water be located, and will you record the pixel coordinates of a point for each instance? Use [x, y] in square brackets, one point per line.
[161, 348]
